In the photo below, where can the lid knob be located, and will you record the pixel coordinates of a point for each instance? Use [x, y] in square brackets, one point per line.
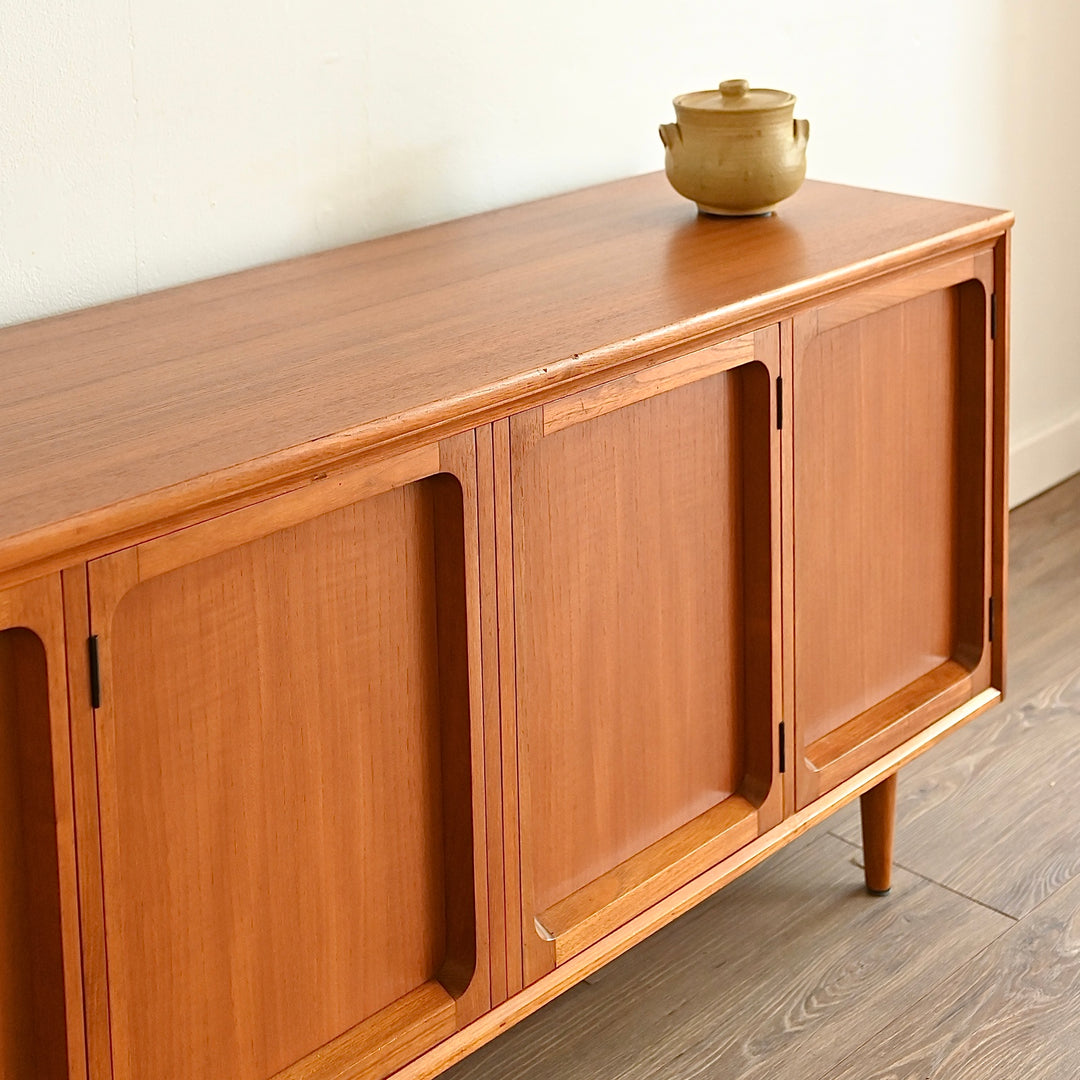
[733, 89]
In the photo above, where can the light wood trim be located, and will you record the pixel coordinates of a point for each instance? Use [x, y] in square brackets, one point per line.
[38, 607]
[596, 909]
[999, 558]
[537, 951]
[680, 901]
[975, 312]
[109, 581]
[321, 496]
[504, 560]
[877, 809]
[609, 396]
[88, 833]
[383, 1042]
[471, 989]
[493, 783]
[767, 532]
[787, 563]
[863, 738]
[897, 290]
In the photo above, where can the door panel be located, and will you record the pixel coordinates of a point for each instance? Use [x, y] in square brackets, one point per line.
[286, 745]
[890, 517]
[646, 603]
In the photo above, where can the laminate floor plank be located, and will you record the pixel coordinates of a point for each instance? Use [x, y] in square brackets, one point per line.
[1044, 601]
[993, 811]
[1013, 1011]
[780, 975]
[997, 816]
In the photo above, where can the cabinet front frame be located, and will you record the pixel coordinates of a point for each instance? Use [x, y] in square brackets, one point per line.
[407, 1027]
[820, 766]
[623, 893]
[37, 606]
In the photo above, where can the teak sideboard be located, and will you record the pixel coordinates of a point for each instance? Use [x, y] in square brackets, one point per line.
[392, 636]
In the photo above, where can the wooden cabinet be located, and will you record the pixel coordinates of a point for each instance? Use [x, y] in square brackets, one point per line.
[390, 638]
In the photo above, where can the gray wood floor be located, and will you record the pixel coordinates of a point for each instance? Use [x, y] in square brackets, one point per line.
[968, 970]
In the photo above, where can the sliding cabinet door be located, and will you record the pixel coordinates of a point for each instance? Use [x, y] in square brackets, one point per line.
[290, 761]
[646, 611]
[891, 437]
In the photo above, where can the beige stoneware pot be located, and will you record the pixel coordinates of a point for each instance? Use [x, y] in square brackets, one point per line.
[735, 151]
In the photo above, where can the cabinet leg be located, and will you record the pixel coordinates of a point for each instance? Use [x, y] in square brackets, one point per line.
[878, 806]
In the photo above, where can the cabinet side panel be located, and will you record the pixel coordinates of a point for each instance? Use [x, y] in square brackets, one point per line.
[33, 1028]
[628, 533]
[877, 475]
[280, 790]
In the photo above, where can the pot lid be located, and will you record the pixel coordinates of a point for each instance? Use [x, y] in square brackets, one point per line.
[735, 95]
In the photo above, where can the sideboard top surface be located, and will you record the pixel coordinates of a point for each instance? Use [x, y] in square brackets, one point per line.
[190, 395]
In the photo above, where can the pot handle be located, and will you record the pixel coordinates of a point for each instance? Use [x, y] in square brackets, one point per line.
[670, 134]
[802, 133]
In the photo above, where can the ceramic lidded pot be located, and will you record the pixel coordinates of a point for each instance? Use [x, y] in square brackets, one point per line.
[735, 150]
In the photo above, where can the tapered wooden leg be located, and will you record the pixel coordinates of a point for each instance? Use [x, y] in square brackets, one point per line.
[878, 806]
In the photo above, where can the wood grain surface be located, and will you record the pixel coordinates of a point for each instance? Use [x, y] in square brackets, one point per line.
[875, 482]
[399, 1032]
[877, 809]
[891, 529]
[999, 558]
[642, 603]
[33, 1029]
[498, 866]
[507, 711]
[154, 405]
[1012, 1011]
[41, 1001]
[288, 845]
[76, 594]
[620, 672]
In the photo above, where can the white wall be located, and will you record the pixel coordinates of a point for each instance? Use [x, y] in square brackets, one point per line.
[144, 144]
